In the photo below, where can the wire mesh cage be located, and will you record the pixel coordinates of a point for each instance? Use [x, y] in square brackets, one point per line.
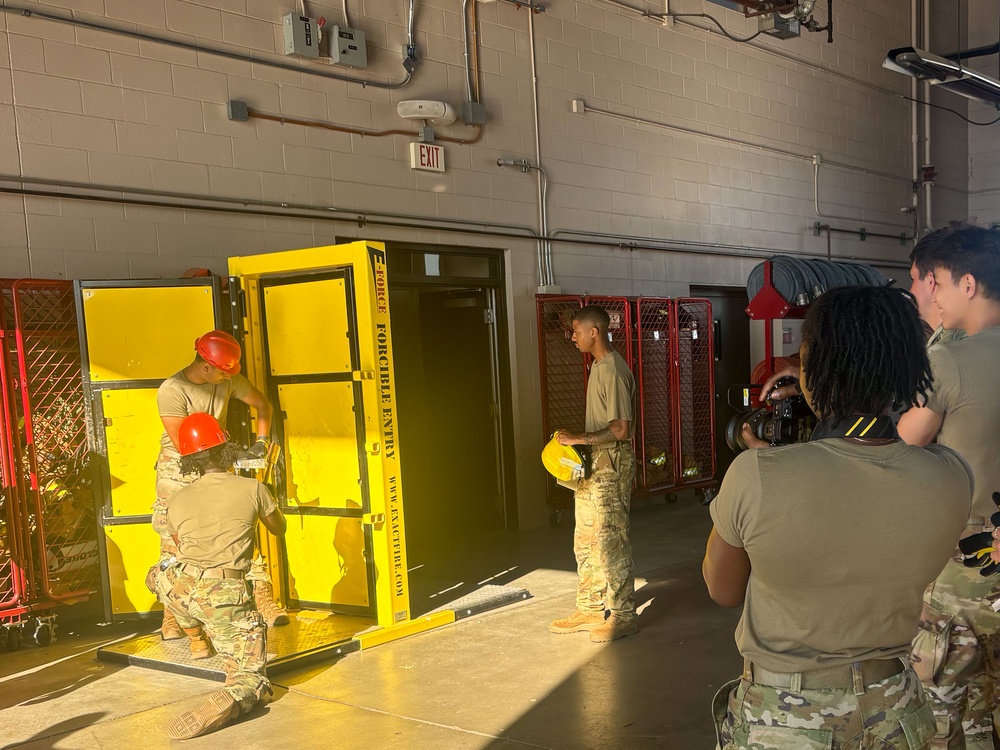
[13, 558]
[55, 440]
[654, 327]
[669, 347]
[563, 377]
[695, 390]
[620, 329]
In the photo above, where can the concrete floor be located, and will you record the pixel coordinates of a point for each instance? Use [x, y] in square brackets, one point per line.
[499, 680]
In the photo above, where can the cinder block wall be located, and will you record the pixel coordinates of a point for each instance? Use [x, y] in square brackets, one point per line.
[108, 110]
[984, 142]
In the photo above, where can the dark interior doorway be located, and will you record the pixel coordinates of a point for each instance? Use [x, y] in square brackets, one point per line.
[732, 358]
[444, 374]
[452, 394]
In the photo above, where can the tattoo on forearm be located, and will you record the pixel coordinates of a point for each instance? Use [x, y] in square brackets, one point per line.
[604, 436]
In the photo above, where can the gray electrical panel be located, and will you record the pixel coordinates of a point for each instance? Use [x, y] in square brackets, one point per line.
[776, 26]
[347, 46]
[301, 36]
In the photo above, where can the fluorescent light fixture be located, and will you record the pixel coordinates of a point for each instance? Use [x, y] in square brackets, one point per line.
[944, 73]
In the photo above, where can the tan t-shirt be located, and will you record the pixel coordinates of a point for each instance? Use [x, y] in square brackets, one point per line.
[842, 539]
[965, 392]
[214, 519]
[610, 392]
[179, 397]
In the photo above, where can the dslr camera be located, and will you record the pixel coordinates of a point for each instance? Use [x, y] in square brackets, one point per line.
[783, 422]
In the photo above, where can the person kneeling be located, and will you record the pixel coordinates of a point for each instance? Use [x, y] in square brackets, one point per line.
[212, 522]
[829, 545]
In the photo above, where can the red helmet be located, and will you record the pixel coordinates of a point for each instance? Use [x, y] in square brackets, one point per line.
[220, 350]
[199, 432]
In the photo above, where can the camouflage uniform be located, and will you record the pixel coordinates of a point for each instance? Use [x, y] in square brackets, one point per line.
[169, 479]
[600, 542]
[888, 714]
[225, 608]
[955, 654]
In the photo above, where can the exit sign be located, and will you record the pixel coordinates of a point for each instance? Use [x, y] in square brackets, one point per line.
[427, 156]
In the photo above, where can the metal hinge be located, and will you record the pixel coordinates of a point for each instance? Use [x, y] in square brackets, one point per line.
[488, 317]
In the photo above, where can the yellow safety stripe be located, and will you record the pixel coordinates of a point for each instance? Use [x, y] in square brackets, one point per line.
[860, 420]
[868, 427]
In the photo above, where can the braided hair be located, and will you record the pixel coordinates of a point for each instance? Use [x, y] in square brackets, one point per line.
[220, 457]
[863, 352]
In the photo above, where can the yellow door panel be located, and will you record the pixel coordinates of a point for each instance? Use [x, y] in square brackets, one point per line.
[307, 327]
[325, 556]
[132, 430]
[145, 332]
[321, 445]
[131, 549]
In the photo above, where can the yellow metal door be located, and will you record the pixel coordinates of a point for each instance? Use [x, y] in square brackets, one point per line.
[134, 334]
[311, 354]
[317, 335]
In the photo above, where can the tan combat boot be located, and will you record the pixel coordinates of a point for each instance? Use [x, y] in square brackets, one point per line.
[576, 622]
[170, 630]
[220, 709]
[616, 627]
[201, 647]
[263, 595]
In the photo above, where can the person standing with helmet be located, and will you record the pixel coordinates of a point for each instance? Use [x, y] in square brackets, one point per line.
[206, 385]
[600, 542]
[211, 522]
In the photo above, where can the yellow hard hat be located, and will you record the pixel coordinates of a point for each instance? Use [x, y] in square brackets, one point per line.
[564, 462]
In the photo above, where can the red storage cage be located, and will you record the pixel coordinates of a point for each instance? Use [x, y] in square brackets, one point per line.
[694, 392]
[14, 558]
[562, 376]
[55, 437]
[620, 330]
[655, 357]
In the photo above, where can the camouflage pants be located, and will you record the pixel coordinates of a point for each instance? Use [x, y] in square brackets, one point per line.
[888, 714]
[169, 479]
[225, 608]
[600, 542]
[955, 655]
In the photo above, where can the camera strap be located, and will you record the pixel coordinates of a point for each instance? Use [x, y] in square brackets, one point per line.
[867, 427]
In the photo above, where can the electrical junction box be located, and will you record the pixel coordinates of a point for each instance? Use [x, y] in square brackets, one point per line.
[301, 36]
[347, 47]
[778, 27]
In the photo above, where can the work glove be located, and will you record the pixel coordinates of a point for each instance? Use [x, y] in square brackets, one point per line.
[976, 548]
[259, 449]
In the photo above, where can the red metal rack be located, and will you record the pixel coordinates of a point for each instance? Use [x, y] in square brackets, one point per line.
[668, 345]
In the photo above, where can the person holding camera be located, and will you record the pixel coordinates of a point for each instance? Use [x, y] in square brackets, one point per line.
[816, 541]
[956, 650]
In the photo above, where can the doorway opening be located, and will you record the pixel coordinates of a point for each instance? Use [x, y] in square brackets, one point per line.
[452, 395]
[732, 358]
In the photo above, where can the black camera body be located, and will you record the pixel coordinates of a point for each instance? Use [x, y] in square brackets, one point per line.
[783, 422]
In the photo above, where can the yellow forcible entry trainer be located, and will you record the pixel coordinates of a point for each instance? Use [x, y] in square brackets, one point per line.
[314, 326]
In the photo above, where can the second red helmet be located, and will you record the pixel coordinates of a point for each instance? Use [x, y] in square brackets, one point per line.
[220, 350]
[199, 432]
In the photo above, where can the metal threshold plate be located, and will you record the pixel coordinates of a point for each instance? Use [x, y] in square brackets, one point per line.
[484, 599]
[311, 635]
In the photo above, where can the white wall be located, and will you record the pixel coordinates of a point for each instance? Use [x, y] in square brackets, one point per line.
[104, 109]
